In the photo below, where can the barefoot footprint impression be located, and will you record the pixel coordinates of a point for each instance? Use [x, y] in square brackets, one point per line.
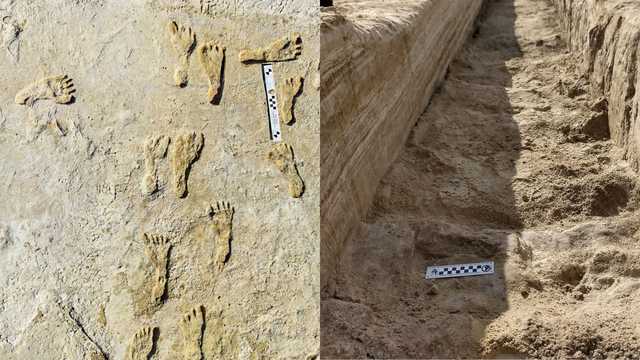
[221, 222]
[141, 344]
[281, 155]
[183, 40]
[57, 88]
[284, 49]
[288, 92]
[157, 250]
[191, 326]
[184, 152]
[155, 148]
[211, 56]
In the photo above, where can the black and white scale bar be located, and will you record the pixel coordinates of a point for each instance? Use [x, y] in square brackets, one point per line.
[272, 102]
[457, 270]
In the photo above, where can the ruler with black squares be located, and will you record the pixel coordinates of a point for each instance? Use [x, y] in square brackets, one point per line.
[457, 270]
[272, 102]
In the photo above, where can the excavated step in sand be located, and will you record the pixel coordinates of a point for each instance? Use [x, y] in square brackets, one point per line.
[511, 162]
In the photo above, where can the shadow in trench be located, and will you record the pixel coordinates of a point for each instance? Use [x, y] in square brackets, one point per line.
[447, 199]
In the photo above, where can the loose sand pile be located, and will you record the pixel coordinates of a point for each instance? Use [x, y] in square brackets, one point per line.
[511, 162]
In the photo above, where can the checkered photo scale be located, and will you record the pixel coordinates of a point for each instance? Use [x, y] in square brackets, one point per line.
[444, 271]
[272, 102]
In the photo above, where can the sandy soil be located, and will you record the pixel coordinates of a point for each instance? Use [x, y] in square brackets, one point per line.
[84, 180]
[511, 162]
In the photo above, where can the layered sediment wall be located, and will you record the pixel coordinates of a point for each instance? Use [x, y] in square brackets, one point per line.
[378, 75]
[606, 34]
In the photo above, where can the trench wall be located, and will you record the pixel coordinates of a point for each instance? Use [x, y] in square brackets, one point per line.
[606, 35]
[375, 83]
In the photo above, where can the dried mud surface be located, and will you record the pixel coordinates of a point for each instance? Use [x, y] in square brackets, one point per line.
[512, 162]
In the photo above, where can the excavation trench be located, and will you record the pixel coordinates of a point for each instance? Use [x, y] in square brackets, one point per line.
[512, 161]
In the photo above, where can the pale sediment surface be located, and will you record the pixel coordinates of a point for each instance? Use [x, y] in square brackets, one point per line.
[515, 160]
[79, 278]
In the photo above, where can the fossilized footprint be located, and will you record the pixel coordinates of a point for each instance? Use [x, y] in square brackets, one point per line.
[155, 148]
[191, 326]
[288, 92]
[58, 88]
[141, 344]
[184, 152]
[281, 155]
[211, 56]
[184, 41]
[157, 250]
[221, 222]
[283, 49]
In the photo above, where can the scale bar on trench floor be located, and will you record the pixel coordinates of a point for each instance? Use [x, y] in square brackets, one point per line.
[457, 270]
